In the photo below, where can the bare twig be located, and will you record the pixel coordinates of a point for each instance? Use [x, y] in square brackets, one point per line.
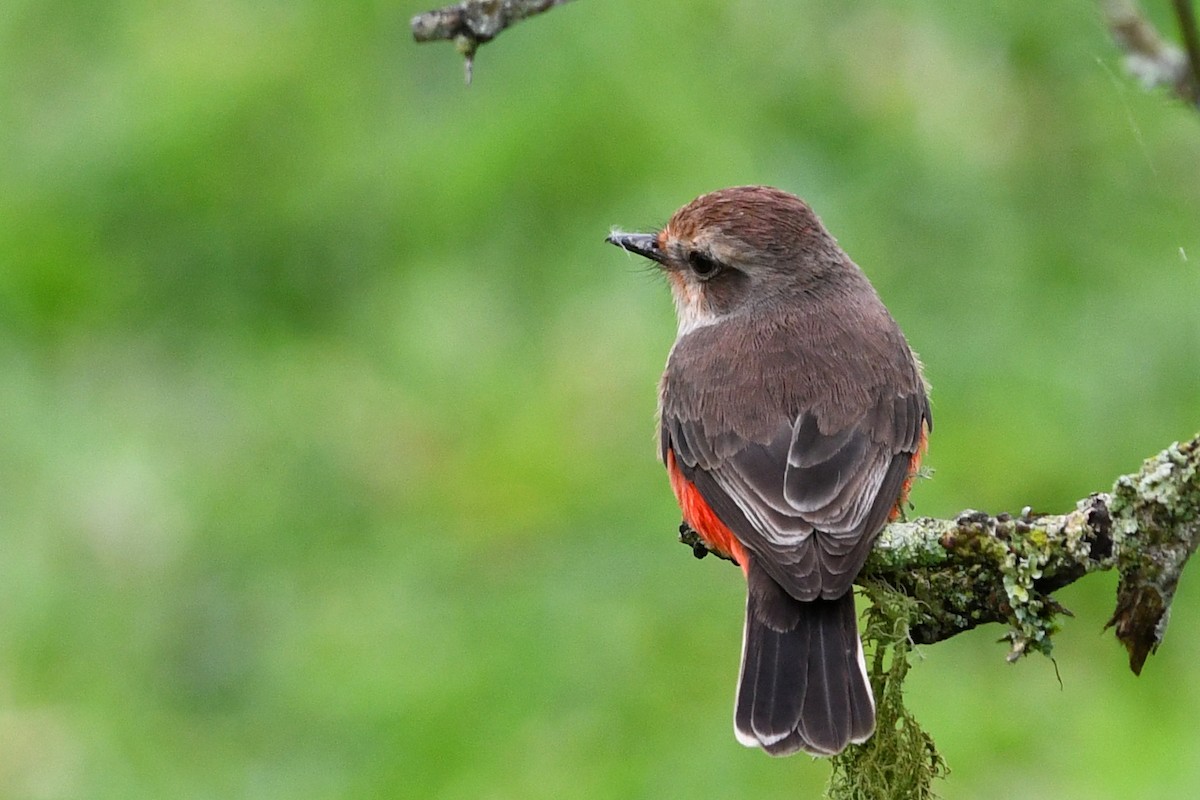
[977, 568]
[1191, 40]
[1149, 57]
[474, 22]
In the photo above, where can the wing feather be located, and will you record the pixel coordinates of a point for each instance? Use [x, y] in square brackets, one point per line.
[810, 501]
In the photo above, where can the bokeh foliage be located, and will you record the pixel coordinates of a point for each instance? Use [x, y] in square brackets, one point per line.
[326, 465]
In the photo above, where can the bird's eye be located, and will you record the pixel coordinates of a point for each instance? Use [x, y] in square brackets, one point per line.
[703, 265]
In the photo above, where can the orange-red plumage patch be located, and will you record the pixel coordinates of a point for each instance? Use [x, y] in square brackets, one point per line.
[914, 464]
[698, 514]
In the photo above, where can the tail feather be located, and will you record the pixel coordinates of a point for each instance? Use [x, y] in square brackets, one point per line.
[803, 684]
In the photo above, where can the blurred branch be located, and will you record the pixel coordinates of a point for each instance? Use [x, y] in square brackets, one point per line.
[474, 22]
[977, 568]
[1191, 41]
[1150, 58]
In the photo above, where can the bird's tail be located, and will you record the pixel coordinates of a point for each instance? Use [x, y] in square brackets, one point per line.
[803, 684]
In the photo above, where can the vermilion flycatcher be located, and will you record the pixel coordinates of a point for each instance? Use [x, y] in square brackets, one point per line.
[793, 416]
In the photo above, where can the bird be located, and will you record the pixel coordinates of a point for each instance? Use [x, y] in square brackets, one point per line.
[792, 419]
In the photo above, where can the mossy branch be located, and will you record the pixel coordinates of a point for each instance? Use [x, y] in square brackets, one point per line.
[978, 568]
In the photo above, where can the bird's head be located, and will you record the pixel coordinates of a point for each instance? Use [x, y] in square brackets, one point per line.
[728, 250]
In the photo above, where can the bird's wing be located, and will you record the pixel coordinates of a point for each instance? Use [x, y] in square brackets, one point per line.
[809, 503]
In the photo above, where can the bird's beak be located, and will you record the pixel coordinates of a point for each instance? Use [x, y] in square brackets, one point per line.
[644, 244]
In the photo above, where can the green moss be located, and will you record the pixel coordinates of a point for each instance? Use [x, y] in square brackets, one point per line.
[900, 760]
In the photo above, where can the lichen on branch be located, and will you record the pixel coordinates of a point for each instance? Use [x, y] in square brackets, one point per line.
[1156, 522]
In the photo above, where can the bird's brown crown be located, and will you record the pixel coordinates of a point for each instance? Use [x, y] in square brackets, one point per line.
[765, 221]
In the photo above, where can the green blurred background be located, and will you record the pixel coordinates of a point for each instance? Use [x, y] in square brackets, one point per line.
[326, 462]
